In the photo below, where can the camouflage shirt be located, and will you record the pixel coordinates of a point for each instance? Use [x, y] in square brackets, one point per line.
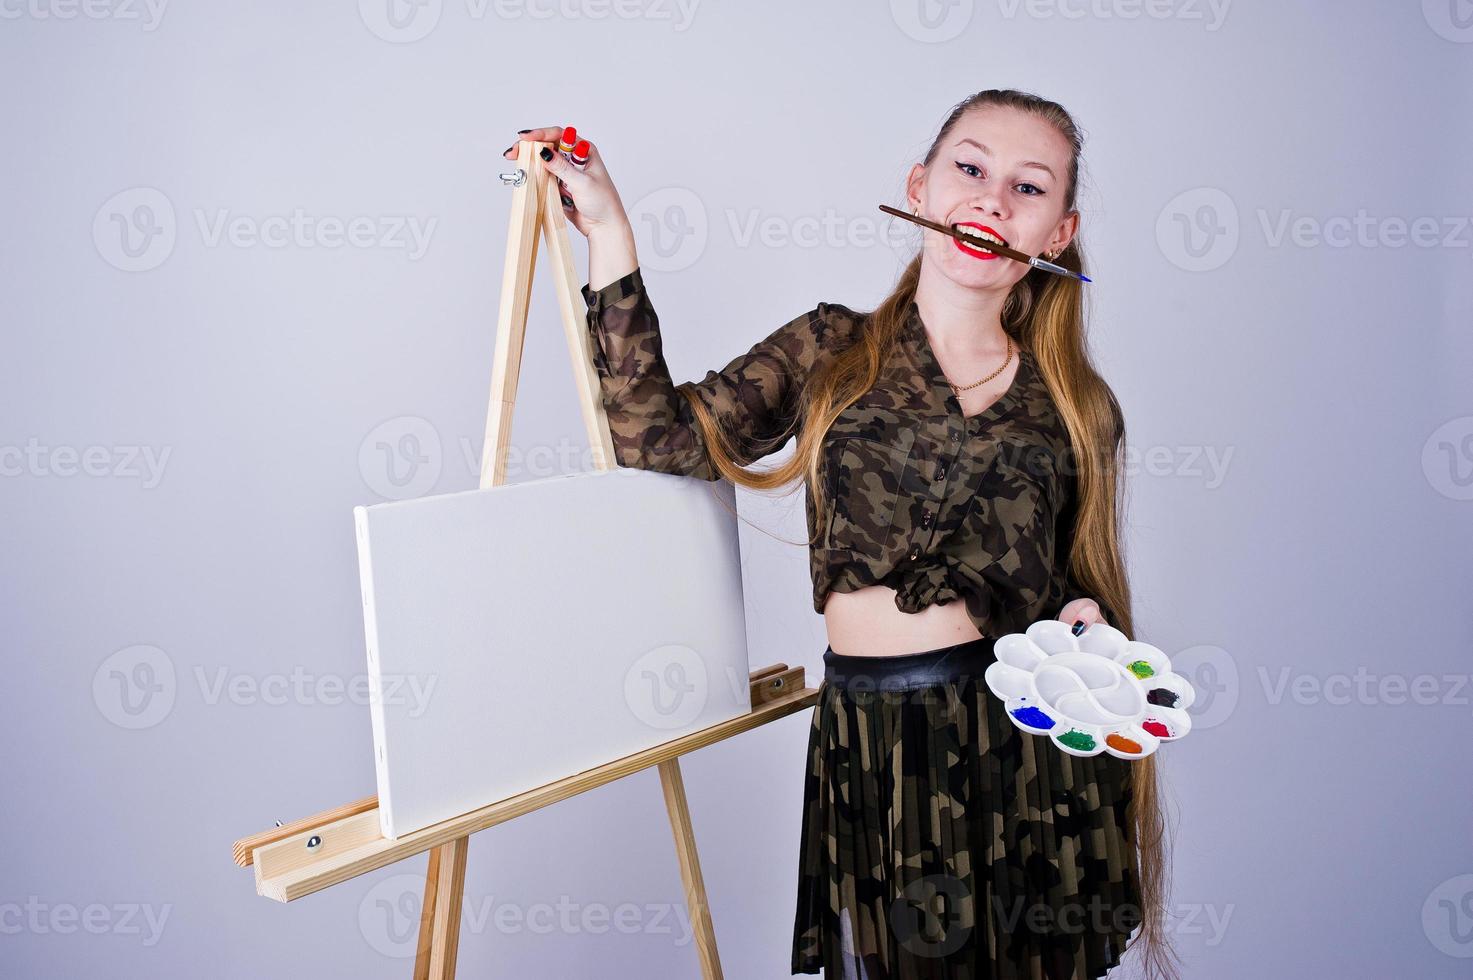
[937, 505]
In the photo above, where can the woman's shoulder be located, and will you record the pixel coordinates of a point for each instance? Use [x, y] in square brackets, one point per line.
[832, 327]
[845, 316]
[842, 314]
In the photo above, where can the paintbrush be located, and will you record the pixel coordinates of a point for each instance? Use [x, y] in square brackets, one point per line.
[980, 242]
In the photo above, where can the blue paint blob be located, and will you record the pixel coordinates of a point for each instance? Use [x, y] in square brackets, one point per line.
[1033, 718]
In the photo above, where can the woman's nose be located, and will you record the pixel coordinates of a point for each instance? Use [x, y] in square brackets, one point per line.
[987, 207]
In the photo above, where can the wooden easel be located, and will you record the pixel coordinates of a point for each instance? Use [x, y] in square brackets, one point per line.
[321, 850]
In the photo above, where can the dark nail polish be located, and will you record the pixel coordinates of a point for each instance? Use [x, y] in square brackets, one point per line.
[524, 130]
[1078, 626]
[508, 149]
[546, 153]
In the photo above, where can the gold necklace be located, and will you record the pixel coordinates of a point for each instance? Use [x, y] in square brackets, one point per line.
[994, 374]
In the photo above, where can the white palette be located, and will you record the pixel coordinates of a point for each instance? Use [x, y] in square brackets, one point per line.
[524, 633]
[1096, 692]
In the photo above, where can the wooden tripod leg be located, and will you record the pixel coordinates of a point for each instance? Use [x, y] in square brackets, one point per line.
[427, 917]
[439, 919]
[690, 869]
[511, 318]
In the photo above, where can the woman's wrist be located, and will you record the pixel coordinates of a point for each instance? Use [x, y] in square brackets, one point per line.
[611, 254]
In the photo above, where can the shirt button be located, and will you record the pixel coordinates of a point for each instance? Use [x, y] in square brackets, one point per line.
[941, 471]
[956, 437]
[915, 552]
[926, 519]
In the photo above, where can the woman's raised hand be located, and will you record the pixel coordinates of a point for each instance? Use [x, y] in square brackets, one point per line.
[596, 203]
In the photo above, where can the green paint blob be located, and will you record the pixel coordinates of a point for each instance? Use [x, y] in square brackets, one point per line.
[1075, 739]
[1140, 668]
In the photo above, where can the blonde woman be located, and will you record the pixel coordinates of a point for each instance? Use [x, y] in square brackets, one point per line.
[960, 455]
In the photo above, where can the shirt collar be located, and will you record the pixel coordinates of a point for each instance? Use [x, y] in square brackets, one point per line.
[940, 388]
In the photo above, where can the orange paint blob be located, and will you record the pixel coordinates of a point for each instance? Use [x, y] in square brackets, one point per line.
[1123, 744]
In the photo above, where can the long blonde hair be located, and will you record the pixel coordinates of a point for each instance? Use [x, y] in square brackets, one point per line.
[1043, 314]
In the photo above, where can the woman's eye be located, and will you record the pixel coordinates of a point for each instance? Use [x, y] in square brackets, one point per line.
[965, 167]
[1038, 189]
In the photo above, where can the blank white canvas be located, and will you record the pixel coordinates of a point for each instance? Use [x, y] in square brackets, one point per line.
[527, 632]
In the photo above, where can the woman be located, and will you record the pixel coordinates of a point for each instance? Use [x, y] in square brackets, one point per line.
[960, 455]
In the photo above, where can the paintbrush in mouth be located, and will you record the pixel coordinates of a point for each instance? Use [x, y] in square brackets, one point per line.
[977, 241]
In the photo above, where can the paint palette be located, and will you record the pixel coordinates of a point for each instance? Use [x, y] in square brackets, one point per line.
[1096, 692]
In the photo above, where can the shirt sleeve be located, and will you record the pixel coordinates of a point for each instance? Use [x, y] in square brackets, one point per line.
[652, 425]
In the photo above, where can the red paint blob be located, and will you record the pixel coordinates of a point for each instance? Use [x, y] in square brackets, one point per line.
[1156, 728]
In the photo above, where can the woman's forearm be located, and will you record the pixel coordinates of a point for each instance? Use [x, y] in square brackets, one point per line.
[610, 254]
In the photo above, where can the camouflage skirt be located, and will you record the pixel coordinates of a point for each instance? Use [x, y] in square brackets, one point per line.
[940, 841]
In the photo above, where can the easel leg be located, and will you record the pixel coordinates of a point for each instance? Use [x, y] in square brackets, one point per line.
[690, 869]
[439, 919]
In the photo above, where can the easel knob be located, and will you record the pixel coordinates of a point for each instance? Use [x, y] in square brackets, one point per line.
[515, 180]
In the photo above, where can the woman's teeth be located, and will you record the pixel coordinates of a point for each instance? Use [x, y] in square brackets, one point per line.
[975, 233]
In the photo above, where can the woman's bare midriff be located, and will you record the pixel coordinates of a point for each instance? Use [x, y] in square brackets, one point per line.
[867, 623]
